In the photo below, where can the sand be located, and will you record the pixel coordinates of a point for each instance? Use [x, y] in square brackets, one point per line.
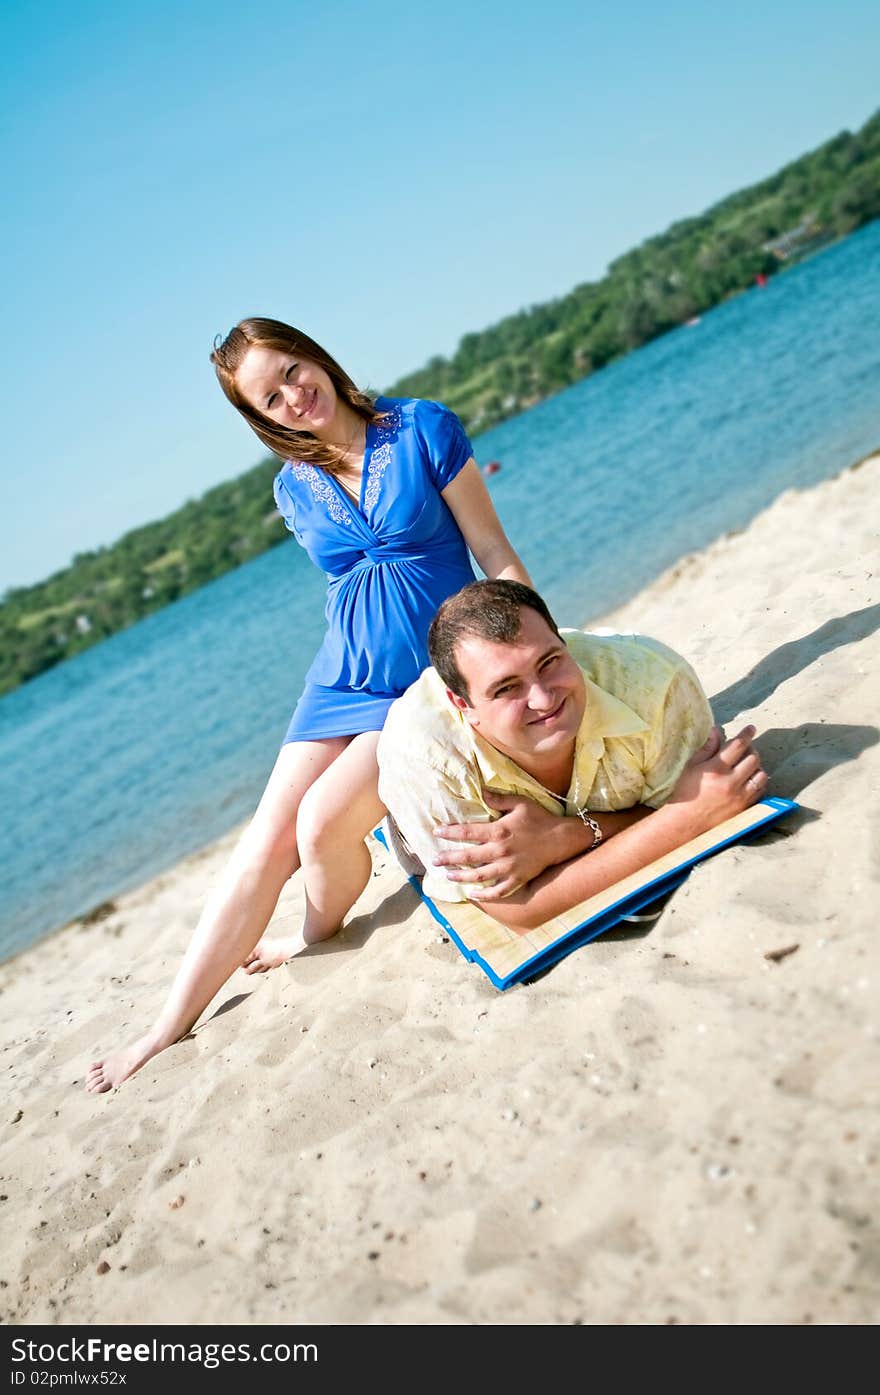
[669, 1127]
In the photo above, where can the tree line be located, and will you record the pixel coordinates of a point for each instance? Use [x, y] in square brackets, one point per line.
[493, 374]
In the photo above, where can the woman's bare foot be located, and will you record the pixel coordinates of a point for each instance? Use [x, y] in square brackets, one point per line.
[271, 954]
[112, 1070]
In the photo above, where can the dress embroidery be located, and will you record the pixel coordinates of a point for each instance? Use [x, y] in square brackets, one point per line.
[324, 492]
[380, 459]
[381, 456]
[379, 462]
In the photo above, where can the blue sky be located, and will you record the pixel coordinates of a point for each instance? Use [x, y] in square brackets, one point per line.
[386, 175]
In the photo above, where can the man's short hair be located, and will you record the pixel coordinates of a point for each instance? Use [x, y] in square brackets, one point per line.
[484, 610]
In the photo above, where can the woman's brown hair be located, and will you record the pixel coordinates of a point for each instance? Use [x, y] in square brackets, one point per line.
[228, 356]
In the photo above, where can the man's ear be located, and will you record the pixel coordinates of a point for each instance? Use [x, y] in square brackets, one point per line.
[461, 703]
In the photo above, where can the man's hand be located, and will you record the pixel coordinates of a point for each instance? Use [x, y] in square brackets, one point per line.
[720, 780]
[510, 851]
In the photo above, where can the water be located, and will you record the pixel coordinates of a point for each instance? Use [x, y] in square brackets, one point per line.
[155, 742]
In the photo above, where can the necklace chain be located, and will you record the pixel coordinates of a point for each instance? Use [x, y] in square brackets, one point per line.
[345, 467]
[344, 453]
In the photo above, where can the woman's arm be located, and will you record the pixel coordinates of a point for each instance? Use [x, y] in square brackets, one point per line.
[473, 510]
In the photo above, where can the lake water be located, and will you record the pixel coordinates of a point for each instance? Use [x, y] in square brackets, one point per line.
[152, 744]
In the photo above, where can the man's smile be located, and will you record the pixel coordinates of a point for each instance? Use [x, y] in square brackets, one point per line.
[548, 716]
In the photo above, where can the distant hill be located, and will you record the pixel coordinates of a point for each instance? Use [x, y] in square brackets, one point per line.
[493, 374]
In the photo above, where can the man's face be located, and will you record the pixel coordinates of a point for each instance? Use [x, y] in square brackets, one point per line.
[526, 698]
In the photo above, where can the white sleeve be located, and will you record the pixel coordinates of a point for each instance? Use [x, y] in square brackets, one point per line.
[419, 798]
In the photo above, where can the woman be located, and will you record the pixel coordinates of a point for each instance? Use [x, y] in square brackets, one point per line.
[387, 499]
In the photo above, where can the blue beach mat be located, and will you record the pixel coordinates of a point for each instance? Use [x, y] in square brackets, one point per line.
[509, 957]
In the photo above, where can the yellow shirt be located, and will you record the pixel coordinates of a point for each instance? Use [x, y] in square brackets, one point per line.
[645, 716]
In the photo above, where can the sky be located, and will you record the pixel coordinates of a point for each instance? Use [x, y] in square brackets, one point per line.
[388, 176]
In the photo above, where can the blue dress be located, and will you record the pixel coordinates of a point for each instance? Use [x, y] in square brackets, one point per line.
[389, 562]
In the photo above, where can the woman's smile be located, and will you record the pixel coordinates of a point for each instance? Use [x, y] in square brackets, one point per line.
[307, 401]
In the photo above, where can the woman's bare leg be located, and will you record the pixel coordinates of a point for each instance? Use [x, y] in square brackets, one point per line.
[335, 816]
[237, 911]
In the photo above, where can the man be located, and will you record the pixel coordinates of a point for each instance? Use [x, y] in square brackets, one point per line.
[555, 765]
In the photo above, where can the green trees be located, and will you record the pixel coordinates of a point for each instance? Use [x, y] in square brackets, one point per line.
[692, 266]
[108, 589]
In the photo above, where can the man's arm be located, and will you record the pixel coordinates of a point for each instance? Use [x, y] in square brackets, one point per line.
[493, 859]
[710, 790]
[684, 724]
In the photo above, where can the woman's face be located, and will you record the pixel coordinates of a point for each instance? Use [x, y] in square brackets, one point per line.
[288, 389]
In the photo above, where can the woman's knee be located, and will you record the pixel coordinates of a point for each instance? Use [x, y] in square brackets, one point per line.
[269, 846]
[316, 823]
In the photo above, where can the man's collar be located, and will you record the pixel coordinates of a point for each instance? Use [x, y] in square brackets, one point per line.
[606, 715]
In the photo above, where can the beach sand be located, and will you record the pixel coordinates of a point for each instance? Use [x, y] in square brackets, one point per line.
[668, 1127]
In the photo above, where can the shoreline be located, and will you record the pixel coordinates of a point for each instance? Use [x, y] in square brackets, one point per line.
[672, 1125]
